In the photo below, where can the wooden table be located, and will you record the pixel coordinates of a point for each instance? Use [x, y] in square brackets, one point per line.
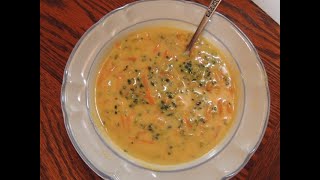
[62, 25]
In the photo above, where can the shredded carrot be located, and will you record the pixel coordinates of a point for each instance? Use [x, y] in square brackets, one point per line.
[192, 53]
[123, 122]
[145, 141]
[118, 45]
[141, 133]
[216, 86]
[217, 131]
[179, 36]
[117, 83]
[156, 49]
[133, 59]
[162, 73]
[166, 100]
[148, 96]
[166, 74]
[130, 117]
[220, 110]
[219, 75]
[187, 122]
[166, 53]
[141, 140]
[208, 113]
[145, 81]
[229, 108]
[126, 120]
[231, 89]
[209, 87]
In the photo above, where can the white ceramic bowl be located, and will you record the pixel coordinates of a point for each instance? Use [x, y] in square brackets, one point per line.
[102, 155]
[95, 118]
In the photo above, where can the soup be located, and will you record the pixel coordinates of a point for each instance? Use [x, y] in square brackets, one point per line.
[160, 105]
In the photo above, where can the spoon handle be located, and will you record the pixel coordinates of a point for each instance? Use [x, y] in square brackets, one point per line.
[212, 7]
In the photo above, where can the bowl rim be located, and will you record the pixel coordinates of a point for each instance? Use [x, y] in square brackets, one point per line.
[63, 96]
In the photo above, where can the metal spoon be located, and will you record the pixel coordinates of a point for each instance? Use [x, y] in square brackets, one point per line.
[210, 11]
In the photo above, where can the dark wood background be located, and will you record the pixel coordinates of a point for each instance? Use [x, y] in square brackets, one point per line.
[63, 22]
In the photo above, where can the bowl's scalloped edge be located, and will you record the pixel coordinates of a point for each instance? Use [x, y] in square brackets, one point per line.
[64, 112]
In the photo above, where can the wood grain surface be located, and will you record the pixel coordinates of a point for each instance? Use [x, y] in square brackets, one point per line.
[63, 22]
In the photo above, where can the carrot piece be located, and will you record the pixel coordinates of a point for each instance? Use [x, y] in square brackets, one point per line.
[141, 140]
[166, 53]
[187, 122]
[145, 141]
[208, 114]
[129, 119]
[133, 59]
[141, 133]
[126, 120]
[166, 74]
[209, 87]
[123, 123]
[145, 81]
[163, 73]
[229, 107]
[220, 110]
[156, 49]
[118, 45]
[231, 89]
[166, 100]
[179, 36]
[217, 131]
[219, 76]
[148, 96]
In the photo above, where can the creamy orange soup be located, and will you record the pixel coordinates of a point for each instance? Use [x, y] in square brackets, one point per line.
[159, 104]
